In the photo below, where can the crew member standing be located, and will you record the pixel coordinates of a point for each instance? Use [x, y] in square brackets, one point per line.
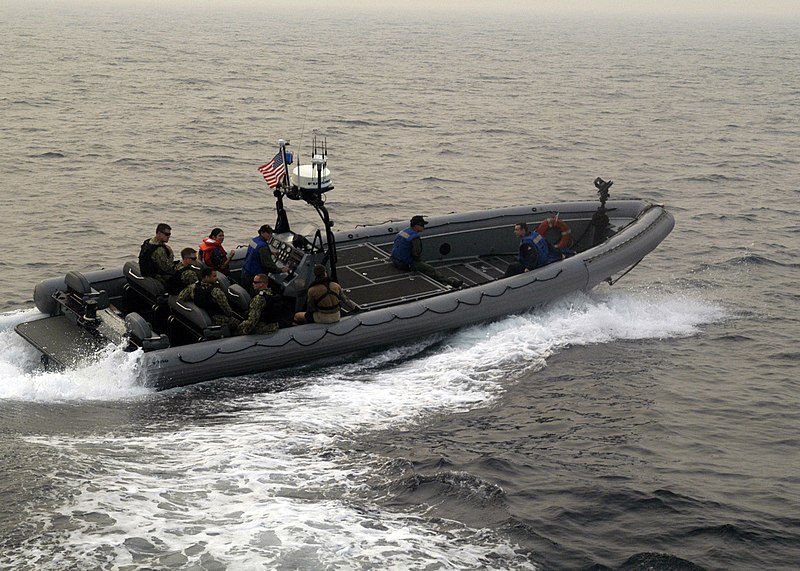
[259, 258]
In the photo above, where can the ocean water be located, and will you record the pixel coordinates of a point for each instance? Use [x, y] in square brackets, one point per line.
[649, 425]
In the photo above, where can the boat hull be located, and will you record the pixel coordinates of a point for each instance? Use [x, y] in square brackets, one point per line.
[641, 227]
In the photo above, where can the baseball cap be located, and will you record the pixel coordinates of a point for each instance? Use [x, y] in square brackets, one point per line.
[418, 220]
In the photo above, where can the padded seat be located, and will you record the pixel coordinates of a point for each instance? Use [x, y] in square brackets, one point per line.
[146, 296]
[196, 320]
[239, 299]
[80, 288]
[148, 288]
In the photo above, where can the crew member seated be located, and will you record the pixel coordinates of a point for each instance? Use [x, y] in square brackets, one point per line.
[156, 259]
[186, 274]
[534, 251]
[407, 253]
[208, 295]
[263, 315]
[324, 300]
[213, 254]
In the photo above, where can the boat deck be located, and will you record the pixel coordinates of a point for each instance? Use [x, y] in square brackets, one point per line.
[370, 280]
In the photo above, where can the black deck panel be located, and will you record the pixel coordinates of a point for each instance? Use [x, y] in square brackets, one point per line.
[494, 266]
[351, 255]
[60, 339]
[466, 273]
[348, 277]
[380, 270]
[407, 286]
[370, 279]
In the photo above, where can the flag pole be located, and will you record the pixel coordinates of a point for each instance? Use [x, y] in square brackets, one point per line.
[282, 223]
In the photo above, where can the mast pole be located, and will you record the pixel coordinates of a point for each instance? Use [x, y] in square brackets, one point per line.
[318, 160]
[282, 223]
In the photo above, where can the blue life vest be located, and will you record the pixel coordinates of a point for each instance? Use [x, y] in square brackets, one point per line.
[401, 250]
[533, 251]
[252, 263]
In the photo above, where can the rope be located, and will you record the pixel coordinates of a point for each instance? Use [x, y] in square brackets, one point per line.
[358, 324]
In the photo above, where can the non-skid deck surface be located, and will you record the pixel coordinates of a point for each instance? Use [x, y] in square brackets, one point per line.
[371, 281]
[60, 339]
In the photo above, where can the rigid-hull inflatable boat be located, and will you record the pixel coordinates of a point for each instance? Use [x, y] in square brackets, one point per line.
[84, 312]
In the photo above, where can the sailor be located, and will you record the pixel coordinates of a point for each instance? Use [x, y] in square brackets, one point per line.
[186, 273]
[207, 294]
[213, 254]
[324, 300]
[407, 253]
[156, 259]
[263, 314]
[259, 257]
[534, 251]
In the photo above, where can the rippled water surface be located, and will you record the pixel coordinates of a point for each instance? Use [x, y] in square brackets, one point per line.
[649, 425]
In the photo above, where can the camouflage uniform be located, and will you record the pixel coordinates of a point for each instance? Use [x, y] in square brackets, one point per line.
[189, 276]
[224, 318]
[164, 260]
[253, 323]
[184, 276]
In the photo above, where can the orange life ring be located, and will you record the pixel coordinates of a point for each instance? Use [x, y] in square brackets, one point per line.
[565, 239]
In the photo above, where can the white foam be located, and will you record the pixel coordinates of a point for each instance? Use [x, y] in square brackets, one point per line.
[111, 376]
[281, 481]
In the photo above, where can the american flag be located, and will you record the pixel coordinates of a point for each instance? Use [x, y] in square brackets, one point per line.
[274, 170]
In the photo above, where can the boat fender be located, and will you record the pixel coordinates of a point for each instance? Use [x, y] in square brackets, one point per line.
[142, 335]
[137, 327]
[564, 233]
[77, 283]
[43, 295]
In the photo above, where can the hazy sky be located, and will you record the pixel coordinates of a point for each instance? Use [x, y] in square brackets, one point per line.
[723, 8]
[700, 7]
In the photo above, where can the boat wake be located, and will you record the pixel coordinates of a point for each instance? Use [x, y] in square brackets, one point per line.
[281, 479]
[466, 360]
[111, 376]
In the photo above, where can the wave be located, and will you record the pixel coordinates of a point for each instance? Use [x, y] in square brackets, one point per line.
[49, 155]
[750, 260]
[380, 123]
[435, 180]
[712, 177]
[462, 485]
[662, 561]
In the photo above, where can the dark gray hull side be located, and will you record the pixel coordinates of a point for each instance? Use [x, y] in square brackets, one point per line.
[371, 330]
